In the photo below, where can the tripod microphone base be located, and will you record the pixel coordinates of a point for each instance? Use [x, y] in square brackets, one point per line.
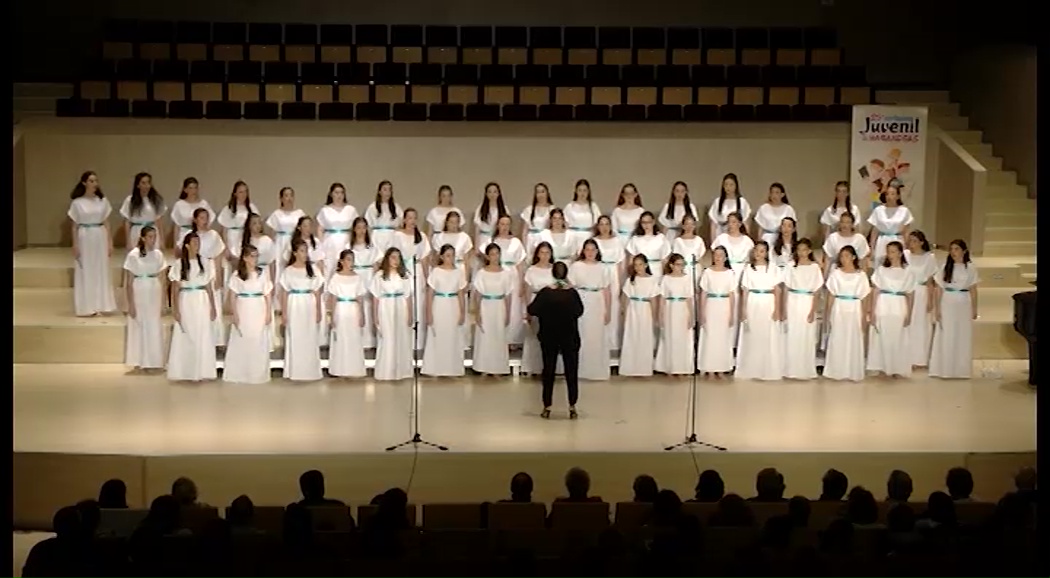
[690, 442]
[416, 441]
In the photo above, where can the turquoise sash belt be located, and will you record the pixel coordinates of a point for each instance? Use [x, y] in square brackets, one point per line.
[591, 289]
[492, 297]
[800, 291]
[362, 267]
[192, 288]
[768, 232]
[718, 295]
[580, 229]
[234, 228]
[508, 263]
[255, 294]
[676, 228]
[624, 232]
[142, 224]
[382, 228]
[299, 292]
[848, 297]
[897, 293]
[535, 231]
[736, 262]
[761, 291]
[392, 295]
[336, 231]
[888, 234]
[283, 233]
[610, 262]
[443, 294]
[675, 298]
[153, 276]
[346, 299]
[187, 227]
[641, 299]
[89, 225]
[262, 265]
[953, 290]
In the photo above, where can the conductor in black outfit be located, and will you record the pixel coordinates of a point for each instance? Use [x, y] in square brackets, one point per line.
[558, 309]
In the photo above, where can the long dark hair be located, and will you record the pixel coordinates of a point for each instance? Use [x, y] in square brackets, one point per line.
[794, 250]
[280, 196]
[739, 219]
[390, 205]
[669, 265]
[639, 231]
[444, 249]
[949, 264]
[488, 249]
[778, 245]
[590, 195]
[632, 273]
[184, 273]
[925, 244]
[185, 183]
[557, 211]
[298, 233]
[343, 255]
[296, 243]
[597, 250]
[331, 189]
[608, 219]
[417, 238]
[900, 249]
[849, 200]
[685, 201]
[449, 215]
[353, 232]
[783, 191]
[246, 238]
[638, 196]
[242, 266]
[232, 204]
[196, 212]
[81, 189]
[501, 208]
[725, 256]
[550, 201]
[751, 259]
[536, 252]
[853, 252]
[384, 265]
[896, 184]
[722, 192]
[152, 196]
[142, 239]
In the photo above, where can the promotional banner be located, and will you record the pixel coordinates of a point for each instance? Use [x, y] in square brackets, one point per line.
[888, 142]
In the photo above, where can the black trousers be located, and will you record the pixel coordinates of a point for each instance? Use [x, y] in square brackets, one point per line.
[570, 355]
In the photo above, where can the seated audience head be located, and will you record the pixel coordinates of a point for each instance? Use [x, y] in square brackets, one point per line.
[1012, 512]
[960, 483]
[311, 484]
[900, 518]
[898, 486]
[577, 483]
[834, 485]
[521, 487]
[645, 489]
[113, 495]
[667, 507]
[242, 511]
[798, 511]
[732, 511]
[163, 516]
[66, 523]
[394, 501]
[1025, 480]
[861, 507]
[710, 487]
[184, 491]
[90, 516]
[769, 485]
[940, 509]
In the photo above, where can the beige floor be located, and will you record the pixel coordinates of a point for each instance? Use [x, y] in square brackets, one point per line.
[97, 409]
[22, 543]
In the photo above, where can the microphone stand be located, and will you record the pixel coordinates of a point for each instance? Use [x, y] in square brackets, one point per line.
[417, 438]
[691, 440]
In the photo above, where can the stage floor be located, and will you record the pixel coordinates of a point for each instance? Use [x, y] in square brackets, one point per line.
[98, 409]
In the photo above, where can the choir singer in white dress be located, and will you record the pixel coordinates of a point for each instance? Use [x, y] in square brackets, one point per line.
[445, 314]
[536, 217]
[143, 208]
[769, 216]
[334, 221]
[437, 215]
[383, 216]
[592, 280]
[676, 208]
[718, 298]
[183, 210]
[627, 212]
[640, 311]
[283, 222]
[891, 307]
[232, 219]
[847, 315]
[955, 309]
[143, 267]
[415, 249]
[343, 291]
[581, 215]
[889, 221]
[674, 354]
[92, 247]
[493, 287]
[301, 288]
[730, 200]
[923, 265]
[192, 353]
[392, 310]
[802, 283]
[614, 258]
[760, 355]
[249, 292]
[539, 275]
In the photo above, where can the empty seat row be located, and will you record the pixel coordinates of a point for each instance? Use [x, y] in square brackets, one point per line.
[141, 32]
[521, 74]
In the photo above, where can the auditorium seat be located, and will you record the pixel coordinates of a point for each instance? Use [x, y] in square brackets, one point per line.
[579, 516]
[701, 112]
[335, 111]
[452, 516]
[664, 112]
[95, 90]
[499, 95]
[169, 91]
[73, 107]
[186, 109]
[112, 108]
[317, 93]
[171, 70]
[512, 56]
[556, 112]
[482, 112]
[408, 111]
[521, 111]
[679, 96]
[364, 513]
[446, 112]
[517, 516]
[222, 109]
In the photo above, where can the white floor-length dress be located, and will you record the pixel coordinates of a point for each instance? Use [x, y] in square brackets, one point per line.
[182, 217]
[952, 353]
[613, 255]
[335, 224]
[148, 215]
[484, 228]
[283, 224]
[715, 347]
[565, 246]
[802, 284]
[460, 242]
[383, 224]
[443, 355]
[394, 354]
[191, 356]
[415, 256]
[437, 215]
[580, 219]
[512, 257]
[888, 346]
[592, 280]
[302, 348]
[673, 226]
[768, 218]
[760, 354]
[536, 278]
[625, 221]
[491, 355]
[144, 342]
[537, 223]
[212, 247]
[639, 330]
[834, 244]
[315, 253]
[844, 359]
[739, 251]
[890, 223]
[346, 352]
[365, 258]
[92, 274]
[232, 224]
[674, 354]
[693, 250]
[655, 247]
[920, 333]
[721, 217]
[247, 357]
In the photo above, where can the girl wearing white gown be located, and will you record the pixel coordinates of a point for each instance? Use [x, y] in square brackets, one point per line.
[248, 351]
[183, 210]
[592, 280]
[718, 295]
[304, 231]
[212, 249]
[512, 258]
[415, 249]
[649, 241]
[144, 265]
[846, 235]
[955, 309]
[366, 257]
[536, 217]
[581, 215]
[562, 241]
[383, 216]
[301, 285]
[232, 219]
[761, 350]
[487, 215]
[283, 222]
[691, 246]
[256, 237]
[627, 212]
[674, 354]
[144, 207]
[891, 307]
[446, 314]
[802, 283]
[191, 356]
[450, 234]
[333, 223]
[343, 292]
[92, 247]
[539, 275]
[889, 221]
[392, 310]
[640, 311]
[614, 257]
[493, 287]
[783, 247]
[842, 204]
[677, 207]
[437, 216]
[738, 245]
[923, 265]
[847, 315]
[730, 200]
[772, 213]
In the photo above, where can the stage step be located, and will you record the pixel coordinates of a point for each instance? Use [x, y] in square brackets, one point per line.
[912, 97]
[995, 234]
[1016, 219]
[1010, 248]
[965, 136]
[1003, 178]
[950, 123]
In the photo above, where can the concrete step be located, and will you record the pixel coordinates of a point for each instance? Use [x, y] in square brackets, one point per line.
[913, 97]
[945, 109]
[990, 162]
[1010, 248]
[951, 123]
[43, 89]
[1017, 204]
[1000, 276]
[979, 150]
[997, 178]
[1028, 277]
[965, 136]
[1027, 267]
[996, 234]
[1023, 219]
[1009, 192]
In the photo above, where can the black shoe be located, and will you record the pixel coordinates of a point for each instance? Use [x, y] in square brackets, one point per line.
[546, 414]
[573, 414]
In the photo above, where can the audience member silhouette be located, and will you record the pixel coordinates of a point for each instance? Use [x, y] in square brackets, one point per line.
[520, 488]
[709, 487]
[1025, 481]
[940, 511]
[113, 495]
[383, 531]
[960, 484]
[834, 486]
[732, 511]
[861, 508]
[898, 487]
[65, 553]
[578, 485]
[312, 486]
[645, 489]
[184, 490]
[769, 486]
[241, 516]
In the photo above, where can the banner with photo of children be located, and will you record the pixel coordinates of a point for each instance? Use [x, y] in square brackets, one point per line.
[888, 143]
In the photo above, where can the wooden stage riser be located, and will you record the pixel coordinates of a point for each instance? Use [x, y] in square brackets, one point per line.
[105, 343]
[43, 483]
